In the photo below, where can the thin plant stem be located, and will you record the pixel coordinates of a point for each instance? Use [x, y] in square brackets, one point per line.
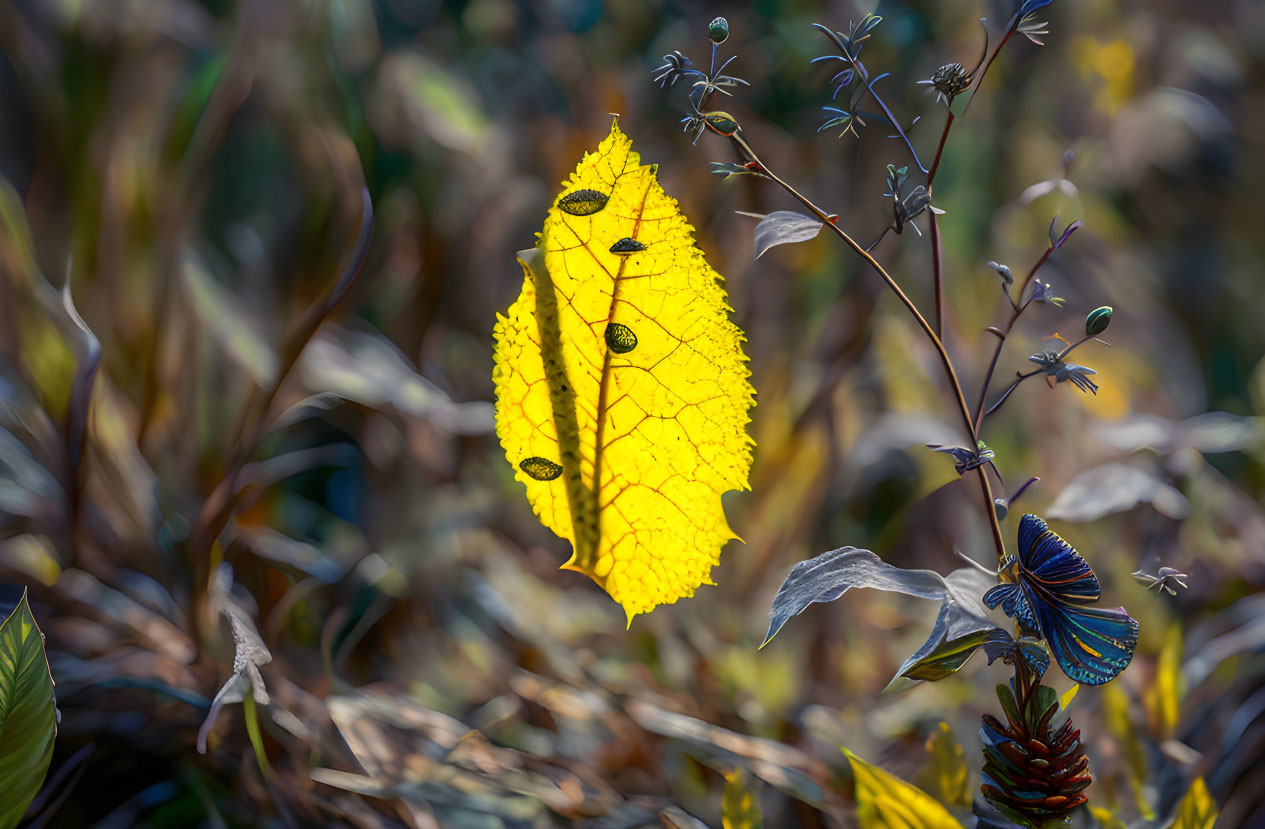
[253, 422]
[979, 80]
[938, 253]
[937, 249]
[861, 71]
[937, 268]
[946, 361]
[944, 137]
[1005, 332]
[256, 735]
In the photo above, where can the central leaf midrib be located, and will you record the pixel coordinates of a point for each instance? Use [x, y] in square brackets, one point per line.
[604, 388]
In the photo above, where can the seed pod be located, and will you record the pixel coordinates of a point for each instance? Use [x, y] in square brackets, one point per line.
[951, 79]
[1097, 321]
[718, 30]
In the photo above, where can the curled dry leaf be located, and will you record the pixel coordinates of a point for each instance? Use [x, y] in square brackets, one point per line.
[250, 653]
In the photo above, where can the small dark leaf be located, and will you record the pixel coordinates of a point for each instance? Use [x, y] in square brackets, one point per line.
[945, 659]
[961, 626]
[784, 227]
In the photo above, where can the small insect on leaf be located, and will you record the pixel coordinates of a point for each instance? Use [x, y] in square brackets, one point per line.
[627, 245]
[582, 202]
[539, 468]
[621, 385]
[620, 338]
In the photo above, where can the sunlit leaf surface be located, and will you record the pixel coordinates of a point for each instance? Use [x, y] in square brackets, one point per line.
[1197, 810]
[27, 713]
[622, 391]
[884, 800]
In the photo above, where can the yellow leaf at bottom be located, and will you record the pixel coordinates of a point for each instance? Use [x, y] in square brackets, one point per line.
[946, 773]
[622, 393]
[1197, 810]
[739, 806]
[884, 800]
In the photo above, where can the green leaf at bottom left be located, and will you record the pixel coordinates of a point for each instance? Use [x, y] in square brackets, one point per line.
[28, 713]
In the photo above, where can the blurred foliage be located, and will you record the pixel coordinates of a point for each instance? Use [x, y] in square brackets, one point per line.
[181, 202]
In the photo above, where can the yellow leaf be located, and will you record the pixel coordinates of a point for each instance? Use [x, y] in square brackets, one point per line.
[1066, 699]
[1197, 810]
[884, 801]
[945, 774]
[1115, 708]
[1106, 820]
[1163, 695]
[621, 385]
[739, 807]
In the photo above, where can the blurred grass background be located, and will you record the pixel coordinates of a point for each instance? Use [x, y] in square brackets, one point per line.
[193, 171]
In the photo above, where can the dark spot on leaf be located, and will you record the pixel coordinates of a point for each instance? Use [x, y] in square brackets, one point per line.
[582, 202]
[627, 245]
[620, 338]
[540, 468]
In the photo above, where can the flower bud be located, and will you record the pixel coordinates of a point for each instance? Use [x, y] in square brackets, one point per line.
[718, 30]
[1097, 321]
[1003, 272]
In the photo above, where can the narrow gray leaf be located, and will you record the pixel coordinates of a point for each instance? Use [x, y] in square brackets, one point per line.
[784, 227]
[830, 575]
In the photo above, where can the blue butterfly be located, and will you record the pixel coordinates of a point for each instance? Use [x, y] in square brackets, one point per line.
[1091, 645]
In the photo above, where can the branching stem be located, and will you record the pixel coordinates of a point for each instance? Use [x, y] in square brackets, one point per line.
[946, 361]
[1005, 332]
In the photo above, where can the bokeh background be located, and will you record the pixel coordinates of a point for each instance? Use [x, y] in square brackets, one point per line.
[193, 172]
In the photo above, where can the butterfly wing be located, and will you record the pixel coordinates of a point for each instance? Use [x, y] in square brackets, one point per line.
[1051, 562]
[1092, 645]
[1013, 603]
